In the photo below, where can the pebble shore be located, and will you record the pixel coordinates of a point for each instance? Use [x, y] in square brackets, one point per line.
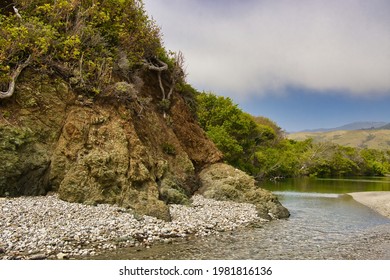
[49, 228]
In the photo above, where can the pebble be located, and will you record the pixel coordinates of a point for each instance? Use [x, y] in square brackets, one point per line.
[61, 256]
[48, 228]
[38, 257]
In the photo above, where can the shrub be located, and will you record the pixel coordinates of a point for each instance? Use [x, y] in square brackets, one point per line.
[168, 149]
[82, 40]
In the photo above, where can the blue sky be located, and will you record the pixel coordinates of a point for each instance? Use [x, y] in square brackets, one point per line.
[300, 110]
[303, 63]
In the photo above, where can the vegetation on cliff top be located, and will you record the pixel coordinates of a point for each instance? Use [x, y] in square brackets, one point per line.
[91, 44]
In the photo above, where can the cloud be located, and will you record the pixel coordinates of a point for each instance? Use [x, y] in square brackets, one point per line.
[257, 47]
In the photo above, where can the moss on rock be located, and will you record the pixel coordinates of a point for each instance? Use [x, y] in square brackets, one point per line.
[224, 182]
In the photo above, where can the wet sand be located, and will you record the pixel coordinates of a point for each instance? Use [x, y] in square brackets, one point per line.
[378, 201]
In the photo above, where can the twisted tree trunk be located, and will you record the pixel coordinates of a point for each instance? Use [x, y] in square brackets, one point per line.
[177, 73]
[159, 69]
[14, 77]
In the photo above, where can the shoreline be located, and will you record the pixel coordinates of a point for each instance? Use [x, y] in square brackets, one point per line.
[378, 201]
[48, 228]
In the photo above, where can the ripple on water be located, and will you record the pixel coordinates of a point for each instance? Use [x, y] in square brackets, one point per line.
[325, 226]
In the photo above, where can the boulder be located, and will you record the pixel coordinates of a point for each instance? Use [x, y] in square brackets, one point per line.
[223, 182]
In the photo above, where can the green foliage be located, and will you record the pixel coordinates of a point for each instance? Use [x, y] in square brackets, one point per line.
[212, 113]
[173, 196]
[338, 163]
[82, 39]
[11, 139]
[271, 125]
[189, 95]
[19, 39]
[172, 191]
[164, 104]
[214, 110]
[234, 132]
[280, 160]
[168, 149]
[257, 145]
[377, 163]
[230, 146]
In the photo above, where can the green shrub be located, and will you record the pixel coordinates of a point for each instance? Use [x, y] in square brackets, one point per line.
[80, 39]
[168, 149]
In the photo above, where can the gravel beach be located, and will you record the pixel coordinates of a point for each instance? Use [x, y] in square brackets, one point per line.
[49, 228]
[378, 201]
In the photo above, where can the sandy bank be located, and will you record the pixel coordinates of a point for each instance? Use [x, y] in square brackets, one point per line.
[378, 201]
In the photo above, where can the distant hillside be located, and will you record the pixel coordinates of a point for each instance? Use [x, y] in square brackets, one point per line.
[376, 139]
[352, 126]
[387, 126]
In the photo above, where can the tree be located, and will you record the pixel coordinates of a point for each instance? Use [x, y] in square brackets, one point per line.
[234, 132]
[271, 125]
[376, 163]
[14, 76]
[85, 42]
[177, 75]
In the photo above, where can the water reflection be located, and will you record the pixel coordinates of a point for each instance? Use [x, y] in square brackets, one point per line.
[324, 224]
[330, 185]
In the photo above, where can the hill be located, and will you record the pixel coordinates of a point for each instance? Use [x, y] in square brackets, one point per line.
[387, 126]
[351, 126]
[374, 139]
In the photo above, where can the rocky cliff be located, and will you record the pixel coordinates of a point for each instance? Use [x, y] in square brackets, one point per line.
[101, 150]
[104, 150]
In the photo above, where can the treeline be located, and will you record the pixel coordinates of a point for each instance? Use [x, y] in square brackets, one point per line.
[258, 146]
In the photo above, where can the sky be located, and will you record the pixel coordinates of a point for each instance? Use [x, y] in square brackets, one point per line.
[303, 63]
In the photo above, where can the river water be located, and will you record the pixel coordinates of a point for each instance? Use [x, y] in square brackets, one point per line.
[325, 223]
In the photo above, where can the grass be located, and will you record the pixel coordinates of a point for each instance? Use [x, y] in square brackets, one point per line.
[374, 139]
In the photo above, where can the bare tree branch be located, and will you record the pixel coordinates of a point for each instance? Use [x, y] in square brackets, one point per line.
[177, 73]
[14, 77]
[163, 66]
[17, 13]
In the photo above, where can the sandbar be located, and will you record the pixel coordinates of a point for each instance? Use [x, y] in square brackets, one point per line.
[378, 201]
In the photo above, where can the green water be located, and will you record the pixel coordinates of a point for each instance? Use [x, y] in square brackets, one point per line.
[338, 186]
[324, 224]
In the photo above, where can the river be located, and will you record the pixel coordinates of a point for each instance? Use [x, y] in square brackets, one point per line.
[325, 223]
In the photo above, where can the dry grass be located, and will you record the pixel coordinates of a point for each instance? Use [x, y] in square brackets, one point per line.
[375, 139]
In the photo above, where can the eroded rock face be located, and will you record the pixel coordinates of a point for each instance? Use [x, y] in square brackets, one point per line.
[125, 153]
[224, 182]
[100, 152]
[99, 158]
[30, 123]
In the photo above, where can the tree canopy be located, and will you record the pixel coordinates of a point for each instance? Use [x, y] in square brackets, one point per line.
[258, 146]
